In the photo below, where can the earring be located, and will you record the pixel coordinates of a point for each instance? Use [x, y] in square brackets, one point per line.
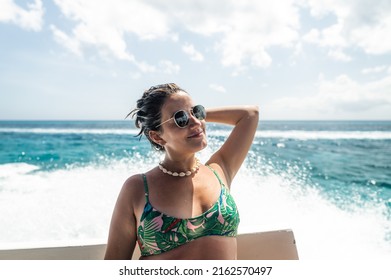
[159, 147]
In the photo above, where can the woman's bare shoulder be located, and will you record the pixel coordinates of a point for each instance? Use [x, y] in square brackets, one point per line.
[132, 189]
[219, 170]
[133, 182]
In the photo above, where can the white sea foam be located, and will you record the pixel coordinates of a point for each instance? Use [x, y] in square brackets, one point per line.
[68, 131]
[12, 169]
[308, 135]
[67, 205]
[292, 134]
[74, 205]
[321, 229]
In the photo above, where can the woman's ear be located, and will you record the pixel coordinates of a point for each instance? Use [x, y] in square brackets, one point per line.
[155, 137]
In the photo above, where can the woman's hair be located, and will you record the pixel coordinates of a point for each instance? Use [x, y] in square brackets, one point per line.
[148, 112]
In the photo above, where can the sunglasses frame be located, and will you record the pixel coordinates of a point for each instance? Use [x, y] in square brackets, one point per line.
[186, 114]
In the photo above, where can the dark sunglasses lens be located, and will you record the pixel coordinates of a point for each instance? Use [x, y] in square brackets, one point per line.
[199, 112]
[181, 118]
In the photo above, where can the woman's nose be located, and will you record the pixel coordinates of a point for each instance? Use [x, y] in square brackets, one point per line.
[194, 120]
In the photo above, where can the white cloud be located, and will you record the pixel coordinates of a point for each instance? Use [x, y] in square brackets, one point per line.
[242, 33]
[63, 39]
[120, 16]
[243, 29]
[104, 25]
[374, 39]
[328, 37]
[341, 98]
[218, 88]
[246, 28]
[376, 69]
[338, 54]
[313, 36]
[192, 52]
[29, 19]
[145, 67]
[361, 23]
[168, 67]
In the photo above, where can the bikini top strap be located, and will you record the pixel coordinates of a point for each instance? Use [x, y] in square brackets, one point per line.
[217, 175]
[146, 187]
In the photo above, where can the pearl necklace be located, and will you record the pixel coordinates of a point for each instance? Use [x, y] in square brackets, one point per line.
[181, 174]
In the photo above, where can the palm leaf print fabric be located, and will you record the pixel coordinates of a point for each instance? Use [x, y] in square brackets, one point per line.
[159, 232]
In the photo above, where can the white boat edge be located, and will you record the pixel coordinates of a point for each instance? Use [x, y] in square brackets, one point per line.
[267, 245]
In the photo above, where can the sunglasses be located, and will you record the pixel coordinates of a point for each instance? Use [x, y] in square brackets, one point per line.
[181, 118]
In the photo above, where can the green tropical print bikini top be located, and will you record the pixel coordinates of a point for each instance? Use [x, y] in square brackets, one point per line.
[158, 232]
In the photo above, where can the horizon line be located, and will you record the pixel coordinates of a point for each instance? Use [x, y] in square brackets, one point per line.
[120, 120]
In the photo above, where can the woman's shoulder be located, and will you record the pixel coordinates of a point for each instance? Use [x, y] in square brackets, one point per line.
[131, 194]
[137, 183]
[217, 169]
[133, 180]
[132, 187]
[138, 180]
[133, 184]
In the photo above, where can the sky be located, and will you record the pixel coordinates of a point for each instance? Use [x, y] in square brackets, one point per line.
[295, 59]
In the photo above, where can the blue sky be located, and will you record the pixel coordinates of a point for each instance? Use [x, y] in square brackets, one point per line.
[296, 59]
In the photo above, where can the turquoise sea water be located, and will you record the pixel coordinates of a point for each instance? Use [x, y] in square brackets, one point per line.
[330, 182]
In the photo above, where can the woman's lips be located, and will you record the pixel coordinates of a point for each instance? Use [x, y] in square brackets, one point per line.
[196, 134]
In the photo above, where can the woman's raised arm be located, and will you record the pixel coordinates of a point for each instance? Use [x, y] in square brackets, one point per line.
[234, 150]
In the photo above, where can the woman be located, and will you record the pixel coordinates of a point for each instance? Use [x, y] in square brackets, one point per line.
[182, 209]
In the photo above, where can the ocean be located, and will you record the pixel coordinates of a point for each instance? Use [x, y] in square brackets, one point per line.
[328, 181]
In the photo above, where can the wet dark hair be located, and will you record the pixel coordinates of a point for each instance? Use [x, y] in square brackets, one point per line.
[148, 112]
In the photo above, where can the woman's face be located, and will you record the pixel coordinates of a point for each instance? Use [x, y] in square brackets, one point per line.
[189, 139]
